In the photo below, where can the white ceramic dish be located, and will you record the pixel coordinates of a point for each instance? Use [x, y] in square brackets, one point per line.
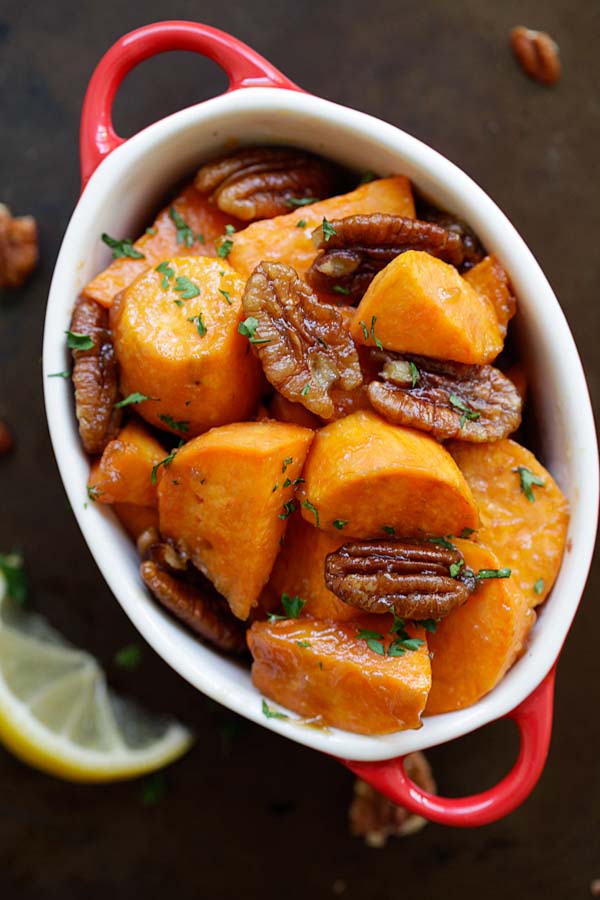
[118, 198]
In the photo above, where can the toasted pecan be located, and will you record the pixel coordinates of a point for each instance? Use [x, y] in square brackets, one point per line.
[537, 54]
[18, 248]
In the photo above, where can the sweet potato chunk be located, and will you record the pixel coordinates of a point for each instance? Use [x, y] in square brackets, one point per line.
[419, 304]
[300, 567]
[176, 339]
[285, 410]
[163, 241]
[489, 278]
[283, 240]
[226, 501]
[123, 474]
[323, 669]
[136, 519]
[475, 645]
[527, 535]
[381, 479]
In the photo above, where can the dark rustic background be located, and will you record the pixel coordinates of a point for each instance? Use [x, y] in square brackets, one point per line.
[247, 814]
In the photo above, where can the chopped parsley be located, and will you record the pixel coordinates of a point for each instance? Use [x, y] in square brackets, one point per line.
[295, 202]
[303, 644]
[129, 658]
[178, 302]
[305, 390]
[78, 341]
[171, 423]
[200, 326]
[429, 625]
[467, 412]
[484, 574]
[443, 542]
[122, 248]
[288, 509]
[287, 462]
[230, 229]
[339, 523]
[466, 533]
[373, 639]
[164, 462]
[224, 248]
[528, 479]
[378, 343]
[184, 233]
[186, 288]
[272, 713]
[538, 587]
[365, 330]
[455, 568]
[93, 492]
[226, 295]
[275, 486]
[328, 230]
[301, 223]
[166, 271]
[136, 397]
[292, 606]
[313, 509]
[200, 237]
[389, 529]
[340, 289]
[151, 231]
[65, 374]
[414, 374]
[13, 573]
[248, 329]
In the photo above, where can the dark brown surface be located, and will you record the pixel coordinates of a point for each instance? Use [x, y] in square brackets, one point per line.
[248, 814]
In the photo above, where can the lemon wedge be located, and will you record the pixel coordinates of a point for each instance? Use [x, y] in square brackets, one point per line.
[58, 715]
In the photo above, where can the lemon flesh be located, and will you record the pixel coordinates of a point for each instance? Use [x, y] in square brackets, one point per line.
[58, 715]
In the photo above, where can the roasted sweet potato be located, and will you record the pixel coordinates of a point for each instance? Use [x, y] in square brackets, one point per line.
[299, 570]
[489, 278]
[226, 500]
[176, 339]
[526, 527]
[324, 670]
[381, 479]
[475, 645]
[285, 410]
[123, 474]
[136, 519]
[164, 240]
[419, 304]
[284, 240]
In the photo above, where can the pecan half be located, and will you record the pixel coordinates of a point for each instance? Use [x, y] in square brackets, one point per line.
[18, 248]
[363, 245]
[189, 596]
[473, 249]
[409, 578]
[95, 377]
[537, 54]
[302, 343]
[449, 400]
[376, 818]
[261, 182]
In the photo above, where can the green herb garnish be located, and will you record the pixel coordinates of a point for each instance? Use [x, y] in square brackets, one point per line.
[305, 390]
[389, 529]
[287, 462]
[136, 397]
[78, 341]
[288, 509]
[528, 479]
[184, 233]
[466, 533]
[339, 523]
[226, 295]
[122, 248]
[224, 248]
[230, 229]
[301, 223]
[378, 343]
[414, 374]
[272, 713]
[484, 574]
[65, 374]
[443, 542]
[429, 625]
[538, 587]
[248, 329]
[13, 573]
[467, 412]
[303, 644]
[166, 271]
[300, 201]
[200, 326]
[164, 462]
[340, 289]
[374, 640]
[292, 606]
[93, 492]
[328, 229]
[455, 568]
[313, 509]
[171, 423]
[186, 288]
[151, 231]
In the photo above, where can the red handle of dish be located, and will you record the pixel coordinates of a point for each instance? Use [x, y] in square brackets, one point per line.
[534, 721]
[241, 64]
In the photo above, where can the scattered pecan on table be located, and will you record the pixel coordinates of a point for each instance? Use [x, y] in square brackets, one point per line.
[18, 248]
[363, 245]
[188, 595]
[446, 399]
[301, 342]
[413, 579]
[537, 54]
[262, 182]
[376, 818]
[95, 377]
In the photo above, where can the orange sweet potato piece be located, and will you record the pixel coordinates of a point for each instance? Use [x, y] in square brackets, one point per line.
[489, 278]
[527, 537]
[375, 476]
[186, 352]
[123, 474]
[283, 240]
[226, 501]
[323, 670]
[161, 243]
[300, 567]
[475, 645]
[136, 519]
[285, 410]
[420, 304]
